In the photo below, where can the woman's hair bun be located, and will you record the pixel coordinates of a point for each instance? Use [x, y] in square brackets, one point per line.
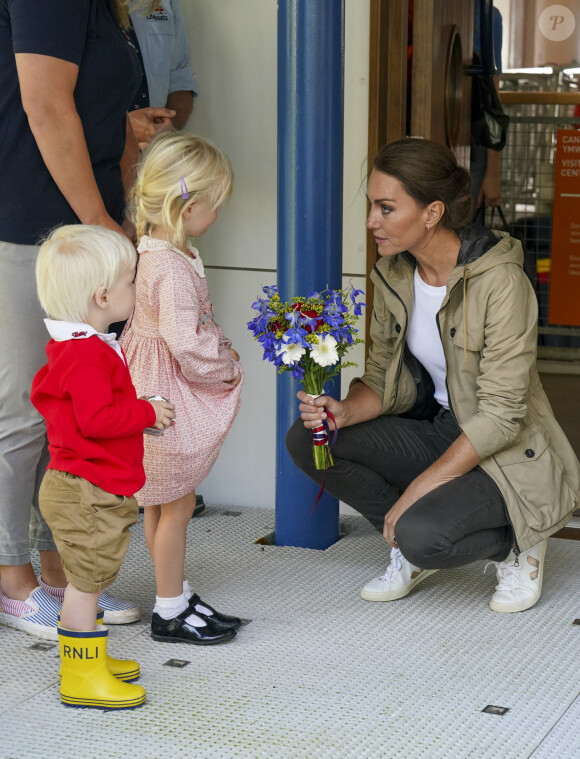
[429, 171]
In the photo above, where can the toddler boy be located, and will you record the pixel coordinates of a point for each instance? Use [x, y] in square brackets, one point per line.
[85, 279]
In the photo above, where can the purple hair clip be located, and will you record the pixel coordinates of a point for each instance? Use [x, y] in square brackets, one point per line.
[184, 190]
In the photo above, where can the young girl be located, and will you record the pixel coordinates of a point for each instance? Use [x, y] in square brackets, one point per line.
[176, 350]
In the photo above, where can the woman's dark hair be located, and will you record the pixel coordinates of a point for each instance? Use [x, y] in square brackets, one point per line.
[428, 172]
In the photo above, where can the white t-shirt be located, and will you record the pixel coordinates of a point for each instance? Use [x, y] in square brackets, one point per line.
[423, 338]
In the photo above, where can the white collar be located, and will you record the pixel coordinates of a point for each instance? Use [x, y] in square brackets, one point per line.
[62, 331]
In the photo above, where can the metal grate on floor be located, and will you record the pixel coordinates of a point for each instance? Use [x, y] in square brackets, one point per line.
[318, 672]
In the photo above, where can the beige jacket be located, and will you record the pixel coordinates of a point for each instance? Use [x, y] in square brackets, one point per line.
[488, 328]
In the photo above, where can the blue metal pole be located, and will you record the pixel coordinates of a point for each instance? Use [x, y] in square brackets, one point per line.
[310, 149]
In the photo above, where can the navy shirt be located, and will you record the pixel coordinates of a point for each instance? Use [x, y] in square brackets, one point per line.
[86, 33]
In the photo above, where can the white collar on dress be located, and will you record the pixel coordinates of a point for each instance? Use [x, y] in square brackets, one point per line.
[62, 331]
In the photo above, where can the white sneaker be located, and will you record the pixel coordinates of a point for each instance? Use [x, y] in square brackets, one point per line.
[38, 615]
[117, 611]
[519, 580]
[397, 582]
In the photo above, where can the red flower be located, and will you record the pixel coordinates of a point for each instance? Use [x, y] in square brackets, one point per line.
[310, 314]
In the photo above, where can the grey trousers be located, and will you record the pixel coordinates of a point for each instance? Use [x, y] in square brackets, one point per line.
[23, 451]
[457, 523]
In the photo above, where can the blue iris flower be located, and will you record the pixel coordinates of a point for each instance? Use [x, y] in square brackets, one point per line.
[293, 318]
[333, 314]
[296, 335]
[270, 290]
[357, 305]
[269, 343]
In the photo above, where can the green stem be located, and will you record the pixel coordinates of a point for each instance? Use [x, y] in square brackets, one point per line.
[322, 456]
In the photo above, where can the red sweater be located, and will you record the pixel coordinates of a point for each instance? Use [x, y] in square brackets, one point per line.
[94, 419]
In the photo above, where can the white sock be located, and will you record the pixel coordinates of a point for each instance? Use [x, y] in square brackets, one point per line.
[196, 621]
[187, 589]
[168, 608]
[188, 592]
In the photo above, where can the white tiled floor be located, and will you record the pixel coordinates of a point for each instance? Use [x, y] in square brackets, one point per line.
[317, 672]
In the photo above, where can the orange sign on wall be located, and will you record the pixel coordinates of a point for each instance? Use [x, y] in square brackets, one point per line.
[565, 275]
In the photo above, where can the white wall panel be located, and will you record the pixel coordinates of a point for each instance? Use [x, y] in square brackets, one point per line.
[244, 474]
[356, 104]
[233, 54]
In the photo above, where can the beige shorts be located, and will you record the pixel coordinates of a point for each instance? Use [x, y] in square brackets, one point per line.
[90, 528]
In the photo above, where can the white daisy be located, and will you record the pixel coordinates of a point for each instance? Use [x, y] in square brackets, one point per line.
[325, 353]
[291, 353]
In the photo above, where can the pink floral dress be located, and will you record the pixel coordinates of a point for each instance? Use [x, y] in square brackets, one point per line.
[174, 348]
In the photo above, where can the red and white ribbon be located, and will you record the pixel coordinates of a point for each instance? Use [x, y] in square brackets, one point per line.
[320, 437]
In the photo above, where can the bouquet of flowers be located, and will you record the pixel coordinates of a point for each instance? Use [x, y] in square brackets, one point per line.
[308, 337]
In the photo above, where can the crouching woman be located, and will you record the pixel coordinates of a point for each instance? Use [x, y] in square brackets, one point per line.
[447, 444]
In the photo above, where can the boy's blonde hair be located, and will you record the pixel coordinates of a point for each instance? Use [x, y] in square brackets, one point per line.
[177, 164]
[73, 262]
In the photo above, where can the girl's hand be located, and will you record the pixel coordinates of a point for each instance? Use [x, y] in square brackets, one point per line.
[312, 410]
[236, 356]
[164, 414]
[233, 382]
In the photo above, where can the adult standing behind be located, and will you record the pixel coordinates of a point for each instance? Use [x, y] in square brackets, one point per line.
[63, 129]
[165, 96]
[448, 441]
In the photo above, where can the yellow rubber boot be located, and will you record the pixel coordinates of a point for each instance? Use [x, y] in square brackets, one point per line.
[126, 670]
[86, 679]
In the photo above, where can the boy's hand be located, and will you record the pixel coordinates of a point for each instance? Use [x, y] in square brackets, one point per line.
[164, 414]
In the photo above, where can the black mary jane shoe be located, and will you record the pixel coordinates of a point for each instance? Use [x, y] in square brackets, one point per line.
[220, 621]
[177, 630]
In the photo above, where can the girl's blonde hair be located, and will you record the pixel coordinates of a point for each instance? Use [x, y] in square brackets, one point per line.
[73, 262]
[177, 168]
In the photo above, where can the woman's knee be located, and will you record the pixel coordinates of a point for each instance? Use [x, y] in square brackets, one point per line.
[419, 541]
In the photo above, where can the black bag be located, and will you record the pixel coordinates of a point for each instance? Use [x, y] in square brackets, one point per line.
[479, 218]
[489, 123]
